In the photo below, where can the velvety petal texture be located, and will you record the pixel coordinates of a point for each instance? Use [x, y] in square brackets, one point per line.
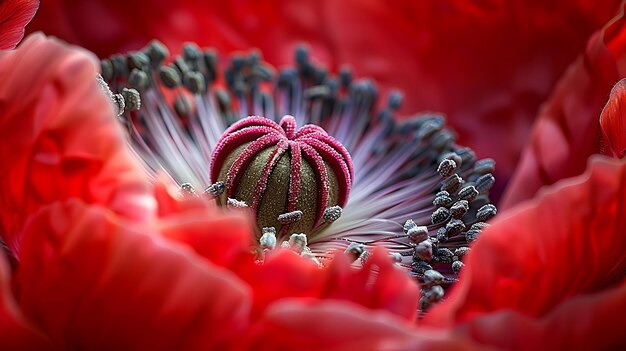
[567, 130]
[488, 65]
[58, 138]
[14, 16]
[542, 260]
[613, 121]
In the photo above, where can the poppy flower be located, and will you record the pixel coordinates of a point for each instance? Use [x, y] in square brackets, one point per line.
[491, 296]
[488, 67]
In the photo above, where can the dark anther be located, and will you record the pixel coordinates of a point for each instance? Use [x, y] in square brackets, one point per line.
[484, 166]
[468, 193]
[440, 215]
[332, 214]
[132, 99]
[444, 255]
[467, 155]
[120, 68]
[485, 182]
[456, 266]
[432, 277]
[420, 267]
[452, 184]
[427, 129]
[106, 67]
[442, 235]
[471, 235]
[446, 168]
[442, 199]
[169, 76]
[216, 189]
[459, 209]
[417, 234]
[442, 139]
[138, 60]
[191, 53]
[424, 250]
[319, 91]
[183, 106]
[454, 157]
[194, 81]
[454, 227]
[486, 212]
[461, 251]
[138, 80]
[118, 100]
[157, 53]
[395, 100]
[354, 251]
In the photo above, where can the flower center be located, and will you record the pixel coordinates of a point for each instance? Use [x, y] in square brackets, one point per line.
[294, 181]
[412, 189]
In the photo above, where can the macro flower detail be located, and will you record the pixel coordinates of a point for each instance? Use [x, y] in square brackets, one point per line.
[290, 179]
[412, 189]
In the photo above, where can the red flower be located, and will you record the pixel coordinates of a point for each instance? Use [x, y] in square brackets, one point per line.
[14, 15]
[487, 66]
[125, 265]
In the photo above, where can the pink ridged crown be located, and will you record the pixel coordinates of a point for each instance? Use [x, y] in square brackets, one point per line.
[293, 180]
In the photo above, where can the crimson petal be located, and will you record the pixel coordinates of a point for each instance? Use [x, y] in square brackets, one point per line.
[90, 280]
[60, 138]
[613, 121]
[567, 131]
[14, 16]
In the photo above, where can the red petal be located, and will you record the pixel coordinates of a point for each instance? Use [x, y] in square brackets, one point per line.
[613, 121]
[331, 325]
[487, 65]
[594, 319]
[567, 131]
[89, 280]
[15, 331]
[566, 243]
[14, 16]
[60, 138]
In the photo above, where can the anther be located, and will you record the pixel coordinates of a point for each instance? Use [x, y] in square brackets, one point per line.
[424, 250]
[297, 242]
[420, 267]
[471, 235]
[454, 157]
[332, 214]
[169, 76]
[442, 199]
[106, 67]
[486, 212]
[479, 226]
[468, 193]
[216, 189]
[183, 105]
[138, 79]
[442, 234]
[187, 189]
[432, 277]
[290, 217]
[132, 99]
[457, 266]
[459, 209]
[484, 166]
[395, 257]
[452, 184]
[485, 182]
[157, 53]
[428, 129]
[236, 203]
[268, 239]
[417, 234]
[440, 215]
[194, 81]
[454, 227]
[118, 100]
[444, 255]
[354, 251]
[446, 168]
[138, 60]
[461, 251]
[395, 100]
